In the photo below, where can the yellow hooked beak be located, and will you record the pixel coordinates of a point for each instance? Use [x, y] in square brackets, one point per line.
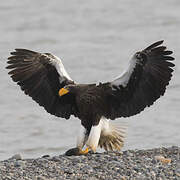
[63, 91]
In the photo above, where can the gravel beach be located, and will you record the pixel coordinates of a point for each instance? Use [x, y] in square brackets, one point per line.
[159, 163]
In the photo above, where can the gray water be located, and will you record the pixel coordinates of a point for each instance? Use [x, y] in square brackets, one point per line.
[95, 40]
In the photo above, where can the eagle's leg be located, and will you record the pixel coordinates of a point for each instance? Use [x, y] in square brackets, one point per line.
[90, 139]
[83, 152]
[94, 136]
[81, 140]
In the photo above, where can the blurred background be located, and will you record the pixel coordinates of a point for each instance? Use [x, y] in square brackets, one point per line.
[95, 40]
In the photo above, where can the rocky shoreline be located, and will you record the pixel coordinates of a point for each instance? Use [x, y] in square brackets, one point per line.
[158, 163]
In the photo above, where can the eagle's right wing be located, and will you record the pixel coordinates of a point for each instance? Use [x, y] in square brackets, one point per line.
[41, 76]
[144, 81]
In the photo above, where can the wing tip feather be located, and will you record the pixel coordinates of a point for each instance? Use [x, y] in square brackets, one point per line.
[157, 43]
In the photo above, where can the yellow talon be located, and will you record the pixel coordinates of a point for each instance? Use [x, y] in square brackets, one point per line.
[83, 152]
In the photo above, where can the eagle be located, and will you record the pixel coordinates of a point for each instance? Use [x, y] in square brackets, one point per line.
[43, 77]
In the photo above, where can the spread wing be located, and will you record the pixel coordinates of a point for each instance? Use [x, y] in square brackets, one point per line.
[144, 81]
[41, 75]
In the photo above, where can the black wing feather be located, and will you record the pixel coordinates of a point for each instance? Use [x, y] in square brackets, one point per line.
[38, 78]
[147, 82]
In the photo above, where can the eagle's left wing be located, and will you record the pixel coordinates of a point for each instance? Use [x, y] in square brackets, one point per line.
[41, 76]
[144, 81]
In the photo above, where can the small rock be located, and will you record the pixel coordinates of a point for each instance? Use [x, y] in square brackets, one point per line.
[56, 159]
[19, 163]
[92, 178]
[163, 159]
[16, 157]
[8, 178]
[45, 156]
[158, 157]
[39, 178]
[2, 166]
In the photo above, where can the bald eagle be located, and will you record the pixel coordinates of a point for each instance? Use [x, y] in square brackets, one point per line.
[43, 77]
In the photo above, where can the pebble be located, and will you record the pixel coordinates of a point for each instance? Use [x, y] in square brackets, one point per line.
[39, 178]
[16, 157]
[162, 159]
[19, 163]
[159, 163]
[46, 156]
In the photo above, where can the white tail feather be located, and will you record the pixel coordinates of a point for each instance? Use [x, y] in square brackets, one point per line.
[112, 135]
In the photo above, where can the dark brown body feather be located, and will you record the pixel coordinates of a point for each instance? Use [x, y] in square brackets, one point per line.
[91, 103]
